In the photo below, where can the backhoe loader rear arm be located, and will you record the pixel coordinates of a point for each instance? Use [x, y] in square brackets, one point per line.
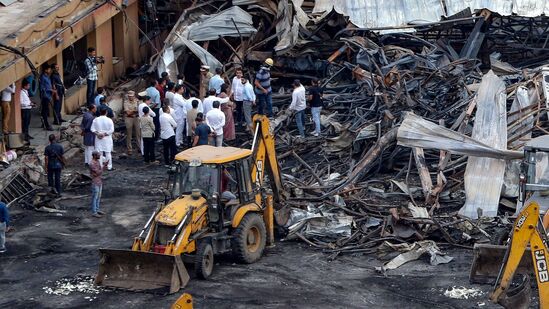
[525, 232]
[265, 156]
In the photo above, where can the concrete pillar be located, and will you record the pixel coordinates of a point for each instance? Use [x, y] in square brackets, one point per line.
[59, 60]
[131, 36]
[15, 112]
[103, 45]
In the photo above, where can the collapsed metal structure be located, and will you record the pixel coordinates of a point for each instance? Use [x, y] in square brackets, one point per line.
[371, 179]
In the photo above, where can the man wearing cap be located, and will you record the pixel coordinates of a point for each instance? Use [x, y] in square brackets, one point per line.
[132, 122]
[263, 89]
[205, 76]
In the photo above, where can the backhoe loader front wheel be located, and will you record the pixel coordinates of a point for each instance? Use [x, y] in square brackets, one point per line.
[204, 260]
[249, 239]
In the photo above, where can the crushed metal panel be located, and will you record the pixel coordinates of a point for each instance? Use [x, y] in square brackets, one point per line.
[484, 176]
[287, 28]
[418, 132]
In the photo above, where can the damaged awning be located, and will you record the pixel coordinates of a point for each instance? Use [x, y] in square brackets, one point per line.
[232, 22]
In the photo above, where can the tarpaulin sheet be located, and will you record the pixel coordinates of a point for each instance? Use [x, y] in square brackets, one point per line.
[484, 176]
[232, 22]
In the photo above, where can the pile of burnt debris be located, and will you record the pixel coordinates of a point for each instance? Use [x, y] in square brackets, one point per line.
[422, 131]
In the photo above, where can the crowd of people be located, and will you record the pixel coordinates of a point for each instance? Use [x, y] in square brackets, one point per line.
[167, 112]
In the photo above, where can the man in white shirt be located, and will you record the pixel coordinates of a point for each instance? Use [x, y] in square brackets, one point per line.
[146, 102]
[103, 128]
[200, 105]
[170, 92]
[208, 101]
[237, 92]
[298, 105]
[216, 120]
[6, 101]
[167, 134]
[216, 81]
[26, 106]
[180, 113]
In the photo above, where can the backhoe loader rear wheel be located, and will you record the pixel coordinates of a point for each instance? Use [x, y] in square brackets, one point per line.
[249, 239]
[204, 260]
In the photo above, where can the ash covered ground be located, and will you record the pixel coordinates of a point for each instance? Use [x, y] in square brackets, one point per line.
[53, 258]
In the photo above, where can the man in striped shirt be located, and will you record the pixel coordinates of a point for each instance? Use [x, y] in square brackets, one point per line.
[263, 89]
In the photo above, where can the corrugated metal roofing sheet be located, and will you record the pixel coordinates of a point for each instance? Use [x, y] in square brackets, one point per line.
[383, 13]
[392, 13]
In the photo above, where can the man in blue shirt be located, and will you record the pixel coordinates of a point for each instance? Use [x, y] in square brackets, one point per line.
[100, 94]
[46, 95]
[103, 105]
[248, 99]
[4, 226]
[202, 131]
[154, 94]
[263, 89]
[216, 81]
[54, 162]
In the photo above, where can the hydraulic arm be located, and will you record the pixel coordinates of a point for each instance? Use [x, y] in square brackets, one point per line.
[526, 231]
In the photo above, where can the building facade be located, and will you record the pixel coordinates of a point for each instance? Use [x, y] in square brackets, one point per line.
[56, 31]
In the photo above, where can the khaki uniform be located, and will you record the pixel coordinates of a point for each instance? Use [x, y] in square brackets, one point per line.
[204, 83]
[132, 123]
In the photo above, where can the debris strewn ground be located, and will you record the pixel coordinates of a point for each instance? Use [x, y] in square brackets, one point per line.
[418, 160]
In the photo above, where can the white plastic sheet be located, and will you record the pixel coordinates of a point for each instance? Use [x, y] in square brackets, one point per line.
[484, 176]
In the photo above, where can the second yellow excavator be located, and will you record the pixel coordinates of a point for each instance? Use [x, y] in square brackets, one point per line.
[527, 235]
[218, 205]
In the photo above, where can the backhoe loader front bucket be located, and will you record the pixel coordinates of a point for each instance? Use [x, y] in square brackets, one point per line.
[141, 271]
[487, 261]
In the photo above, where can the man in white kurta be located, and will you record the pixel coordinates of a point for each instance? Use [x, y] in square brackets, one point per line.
[103, 128]
[180, 114]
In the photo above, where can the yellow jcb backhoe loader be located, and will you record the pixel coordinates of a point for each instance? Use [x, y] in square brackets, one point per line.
[218, 205]
[500, 262]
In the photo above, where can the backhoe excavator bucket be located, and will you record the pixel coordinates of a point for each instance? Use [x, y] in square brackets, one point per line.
[141, 271]
[487, 261]
[518, 297]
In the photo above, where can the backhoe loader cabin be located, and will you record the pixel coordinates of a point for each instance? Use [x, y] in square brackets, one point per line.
[274, 154]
